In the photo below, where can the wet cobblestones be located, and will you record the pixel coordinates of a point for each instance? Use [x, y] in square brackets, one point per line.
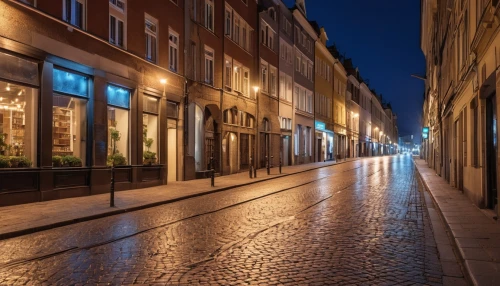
[357, 223]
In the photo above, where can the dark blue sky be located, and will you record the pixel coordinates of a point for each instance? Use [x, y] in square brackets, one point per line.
[383, 39]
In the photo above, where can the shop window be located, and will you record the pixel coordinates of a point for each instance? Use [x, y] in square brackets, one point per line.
[118, 125]
[69, 119]
[18, 69]
[150, 129]
[18, 125]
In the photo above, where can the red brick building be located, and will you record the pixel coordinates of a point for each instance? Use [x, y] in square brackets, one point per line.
[81, 90]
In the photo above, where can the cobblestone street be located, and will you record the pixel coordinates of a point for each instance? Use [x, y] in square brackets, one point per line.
[362, 222]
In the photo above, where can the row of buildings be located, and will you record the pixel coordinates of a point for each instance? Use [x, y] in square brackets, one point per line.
[461, 40]
[170, 89]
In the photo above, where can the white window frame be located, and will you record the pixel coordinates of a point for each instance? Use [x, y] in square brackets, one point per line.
[237, 76]
[209, 22]
[152, 34]
[228, 70]
[208, 58]
[72, 20]
[264, 76]
[273, 80]
[120, 15]
[228, 25]
[173, 59]
[246, 82]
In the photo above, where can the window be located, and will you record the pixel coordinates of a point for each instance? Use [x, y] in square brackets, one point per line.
[118, 100]
[69, 118]
[150, 129]
[310, 71]
[289, 86]
[209, 15]
[18, 124]
[117, 23]
[273, 81]
[237, 73]
[272, 14]
[264, 77]
[228, 22]
[309, 103]
[29, 2]
[173, 51]
[74, 12]
[267, 35]
[246, 82]
[296, 140]
[209, 65]
[298, 59]
[282, 90]
[228, 72]
[151, 31]
[236, 28]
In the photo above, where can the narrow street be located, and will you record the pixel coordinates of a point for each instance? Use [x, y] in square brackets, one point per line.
[362, 222]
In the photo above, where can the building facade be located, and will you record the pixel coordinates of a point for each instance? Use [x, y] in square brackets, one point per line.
[303, 89]
[460, 42]
[84, 96]
[323, 98]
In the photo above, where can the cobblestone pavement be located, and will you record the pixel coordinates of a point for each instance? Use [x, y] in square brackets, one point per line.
[362, 222]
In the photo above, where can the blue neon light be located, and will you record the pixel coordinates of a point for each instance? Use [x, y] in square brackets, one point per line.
[118, 96]
[70, 83]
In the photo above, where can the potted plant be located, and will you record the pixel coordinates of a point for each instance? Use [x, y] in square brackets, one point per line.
[116, 158]
[149, 157]
[24, 162]
[4, 162]
[14, 161]
[57, 161]
[71, 161]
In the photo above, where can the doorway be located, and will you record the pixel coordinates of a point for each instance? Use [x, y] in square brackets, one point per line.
[320, 150]
[285, 155]
[491, 152]
[171, 150]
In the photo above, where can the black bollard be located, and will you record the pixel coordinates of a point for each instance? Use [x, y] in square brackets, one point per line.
[267, 165]
[280, 164]
[112, 191]
[212, 173]
[250, 170]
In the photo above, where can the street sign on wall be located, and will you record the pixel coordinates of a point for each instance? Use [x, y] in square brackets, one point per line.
[425, 132]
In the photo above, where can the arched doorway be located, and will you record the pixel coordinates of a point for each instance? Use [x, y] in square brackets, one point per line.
[212, 139]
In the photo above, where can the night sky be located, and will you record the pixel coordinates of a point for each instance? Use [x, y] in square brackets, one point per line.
[383, 39]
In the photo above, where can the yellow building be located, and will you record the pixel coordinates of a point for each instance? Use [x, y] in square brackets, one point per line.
[339, 108]
[323, 99]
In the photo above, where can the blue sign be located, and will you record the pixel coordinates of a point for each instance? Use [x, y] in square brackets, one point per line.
[425, 132]
[320, 125]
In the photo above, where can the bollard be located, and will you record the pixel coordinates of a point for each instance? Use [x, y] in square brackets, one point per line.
[254, 172]
[112, 191]
[250, 170]
[212, 174]
[267, 165]
[280, 165]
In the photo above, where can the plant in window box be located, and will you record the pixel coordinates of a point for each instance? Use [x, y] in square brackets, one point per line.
[4, 162]
[71, 161]
[116, 158]
[20, 162]
[149, 157]
[57, 161]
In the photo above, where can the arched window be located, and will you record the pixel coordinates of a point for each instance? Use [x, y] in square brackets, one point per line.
[265, 125]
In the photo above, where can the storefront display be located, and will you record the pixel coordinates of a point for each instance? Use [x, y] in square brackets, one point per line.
[69, 119]
[118, 125]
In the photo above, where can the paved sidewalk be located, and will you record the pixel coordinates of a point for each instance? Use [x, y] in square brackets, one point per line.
[28, 218]
[477, 236]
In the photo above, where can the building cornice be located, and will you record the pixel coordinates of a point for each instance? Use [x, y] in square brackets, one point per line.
[305, 24]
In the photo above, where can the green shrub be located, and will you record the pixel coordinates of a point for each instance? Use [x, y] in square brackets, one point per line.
[57, 161]
[14, 161]
[117, 160]
[24, 162]
[4, 162]
[71, 161]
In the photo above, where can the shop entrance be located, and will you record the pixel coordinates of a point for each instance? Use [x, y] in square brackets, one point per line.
[171, 150]
[491, 152]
